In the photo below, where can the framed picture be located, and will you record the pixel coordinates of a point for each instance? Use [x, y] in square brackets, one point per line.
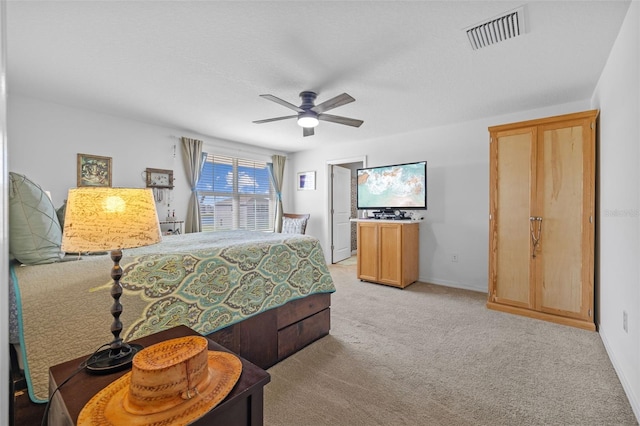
[306, 181]
[159, 178]
[94, 170]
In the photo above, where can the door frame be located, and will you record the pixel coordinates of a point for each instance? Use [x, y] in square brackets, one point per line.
[5, 405]
[329, 200]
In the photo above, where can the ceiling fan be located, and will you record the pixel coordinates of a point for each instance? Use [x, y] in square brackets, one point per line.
[309, 114]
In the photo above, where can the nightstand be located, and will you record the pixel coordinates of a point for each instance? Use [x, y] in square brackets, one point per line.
[243, 405]
[171, 227]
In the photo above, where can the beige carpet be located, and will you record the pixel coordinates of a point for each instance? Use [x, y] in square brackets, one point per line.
[353, 260]
[431, 355]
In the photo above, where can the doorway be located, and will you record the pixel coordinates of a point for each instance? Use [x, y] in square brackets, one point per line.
[342, 206]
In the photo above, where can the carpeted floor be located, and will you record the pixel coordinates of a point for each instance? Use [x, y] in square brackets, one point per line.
[350, 261]
[431, 355]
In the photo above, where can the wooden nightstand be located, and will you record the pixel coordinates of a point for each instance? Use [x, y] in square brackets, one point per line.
[172, 227]
[243, 405]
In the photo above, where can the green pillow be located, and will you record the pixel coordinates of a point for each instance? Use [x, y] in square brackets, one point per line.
[35, 235]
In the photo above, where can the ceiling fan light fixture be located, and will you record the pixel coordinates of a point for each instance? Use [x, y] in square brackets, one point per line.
[308, 120]
[309, 114]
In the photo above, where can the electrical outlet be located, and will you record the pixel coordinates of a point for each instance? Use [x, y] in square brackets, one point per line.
[625, 321]
[454, 257]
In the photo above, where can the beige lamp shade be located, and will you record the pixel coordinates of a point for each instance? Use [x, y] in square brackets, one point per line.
[101, 218]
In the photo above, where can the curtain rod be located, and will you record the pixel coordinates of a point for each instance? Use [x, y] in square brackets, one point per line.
[269, 153]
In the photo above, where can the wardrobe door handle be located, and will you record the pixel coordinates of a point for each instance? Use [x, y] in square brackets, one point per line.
[535, 225]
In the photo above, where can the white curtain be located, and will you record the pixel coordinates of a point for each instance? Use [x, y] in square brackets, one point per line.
[276, 171]
[193, 161]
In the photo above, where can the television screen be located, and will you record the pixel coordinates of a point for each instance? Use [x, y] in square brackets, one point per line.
[399, 186]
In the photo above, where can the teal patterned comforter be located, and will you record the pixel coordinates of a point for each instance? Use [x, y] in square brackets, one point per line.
[205, 281]
[233, 279]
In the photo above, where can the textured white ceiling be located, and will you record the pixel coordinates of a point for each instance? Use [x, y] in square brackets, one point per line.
[199, 66]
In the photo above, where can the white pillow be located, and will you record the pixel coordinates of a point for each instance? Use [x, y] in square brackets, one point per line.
[293, 226]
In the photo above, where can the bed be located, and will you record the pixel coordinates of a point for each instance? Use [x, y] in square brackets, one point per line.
[262, 295]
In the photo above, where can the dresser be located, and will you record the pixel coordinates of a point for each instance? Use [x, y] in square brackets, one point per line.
[388, 251]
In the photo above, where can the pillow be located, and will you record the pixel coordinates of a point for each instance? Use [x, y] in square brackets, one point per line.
[35, 235]
[293, 226]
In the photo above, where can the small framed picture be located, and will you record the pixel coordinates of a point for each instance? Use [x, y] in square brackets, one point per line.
[94, 170]
[306, 181]
[159, 178]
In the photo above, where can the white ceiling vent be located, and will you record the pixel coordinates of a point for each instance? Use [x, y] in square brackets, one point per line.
[498, 29]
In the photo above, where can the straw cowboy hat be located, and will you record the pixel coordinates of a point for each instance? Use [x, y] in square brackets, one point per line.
[174, 382]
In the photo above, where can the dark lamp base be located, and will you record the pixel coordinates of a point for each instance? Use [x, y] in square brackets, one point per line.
[108, 361]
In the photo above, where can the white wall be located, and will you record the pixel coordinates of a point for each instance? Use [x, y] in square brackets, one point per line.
[456, 221]
[44, 139]
[617, 95]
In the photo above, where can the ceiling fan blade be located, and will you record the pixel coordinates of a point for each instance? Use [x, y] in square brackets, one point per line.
[307, 131]
[268, 120]
[333, 103]
[340, 120]
[282, 102]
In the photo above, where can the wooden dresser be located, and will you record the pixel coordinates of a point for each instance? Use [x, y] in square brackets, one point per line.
[388, 251]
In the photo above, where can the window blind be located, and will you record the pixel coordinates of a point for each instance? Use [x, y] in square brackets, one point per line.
[235, 193]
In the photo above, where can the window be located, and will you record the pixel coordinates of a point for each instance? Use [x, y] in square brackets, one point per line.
[235, 194]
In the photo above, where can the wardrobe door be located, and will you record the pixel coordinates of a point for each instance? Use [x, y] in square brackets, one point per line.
[513, 177]
[565, 194]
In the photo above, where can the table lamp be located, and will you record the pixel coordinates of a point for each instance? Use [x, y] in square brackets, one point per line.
[102, 218]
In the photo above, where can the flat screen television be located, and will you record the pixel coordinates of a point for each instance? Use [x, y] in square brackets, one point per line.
[394, 187]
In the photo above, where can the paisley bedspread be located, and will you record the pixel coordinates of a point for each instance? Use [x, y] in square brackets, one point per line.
[205, 281]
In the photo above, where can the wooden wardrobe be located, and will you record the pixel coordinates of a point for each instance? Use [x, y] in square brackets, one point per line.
[542, 218]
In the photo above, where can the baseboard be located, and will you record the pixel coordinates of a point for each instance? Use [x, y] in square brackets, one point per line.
[633, 399]
[452, 284]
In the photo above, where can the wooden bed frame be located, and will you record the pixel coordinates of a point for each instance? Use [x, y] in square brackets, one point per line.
[270, 337]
